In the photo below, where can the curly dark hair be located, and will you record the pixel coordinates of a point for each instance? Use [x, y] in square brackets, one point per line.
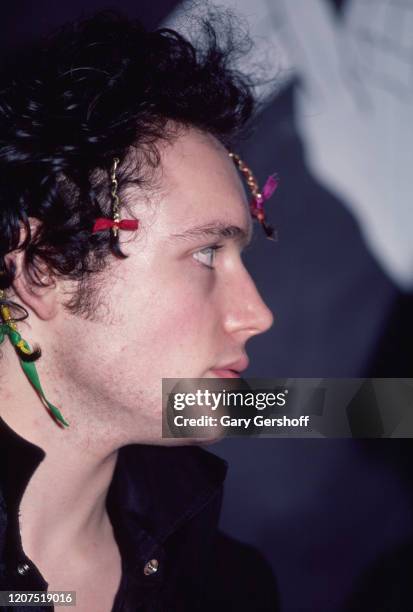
[94, 89]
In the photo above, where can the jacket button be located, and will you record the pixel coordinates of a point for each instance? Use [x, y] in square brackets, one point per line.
[23, 568]
[151, 567]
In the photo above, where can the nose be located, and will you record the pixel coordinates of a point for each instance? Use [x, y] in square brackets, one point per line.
[246, 312]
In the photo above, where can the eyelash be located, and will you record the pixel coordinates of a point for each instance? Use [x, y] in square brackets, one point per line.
[213, 248]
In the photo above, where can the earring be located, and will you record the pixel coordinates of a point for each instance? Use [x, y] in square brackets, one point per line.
[26, 355]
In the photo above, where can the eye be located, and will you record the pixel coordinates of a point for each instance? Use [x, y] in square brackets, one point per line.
[207, 255]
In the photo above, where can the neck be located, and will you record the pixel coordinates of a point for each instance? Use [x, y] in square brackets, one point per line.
[64, 505]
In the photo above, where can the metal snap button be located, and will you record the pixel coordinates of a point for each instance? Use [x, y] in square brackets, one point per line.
[151, 567]
[23, 568]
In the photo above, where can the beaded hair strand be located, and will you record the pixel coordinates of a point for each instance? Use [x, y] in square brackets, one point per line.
[258, 197]
[115, 223]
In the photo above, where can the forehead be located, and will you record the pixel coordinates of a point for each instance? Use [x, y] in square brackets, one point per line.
[200, 185]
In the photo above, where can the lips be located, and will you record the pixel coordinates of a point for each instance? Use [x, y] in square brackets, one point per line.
[233, 369]
[226, 373]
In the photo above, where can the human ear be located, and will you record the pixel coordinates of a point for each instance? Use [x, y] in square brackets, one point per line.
[39, 297]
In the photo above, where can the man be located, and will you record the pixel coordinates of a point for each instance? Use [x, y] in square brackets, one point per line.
[120, 292]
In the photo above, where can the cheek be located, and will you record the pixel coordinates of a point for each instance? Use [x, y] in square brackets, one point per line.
[176, 334]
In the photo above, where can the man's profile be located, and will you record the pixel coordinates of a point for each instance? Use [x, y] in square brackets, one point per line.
[122, 222]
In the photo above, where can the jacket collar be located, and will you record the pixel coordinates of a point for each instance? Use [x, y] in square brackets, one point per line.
[171, 484]
[18, 460]
[157, 488]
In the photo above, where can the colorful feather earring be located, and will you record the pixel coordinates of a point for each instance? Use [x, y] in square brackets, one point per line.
[27, 356]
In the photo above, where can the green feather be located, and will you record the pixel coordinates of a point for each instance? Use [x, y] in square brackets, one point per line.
[29, 368]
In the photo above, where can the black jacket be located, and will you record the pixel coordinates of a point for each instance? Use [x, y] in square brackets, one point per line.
[164, 504]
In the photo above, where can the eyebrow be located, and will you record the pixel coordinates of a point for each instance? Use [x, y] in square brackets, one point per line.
[217, 229]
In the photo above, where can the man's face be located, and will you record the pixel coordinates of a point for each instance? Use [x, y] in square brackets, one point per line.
[182, 305]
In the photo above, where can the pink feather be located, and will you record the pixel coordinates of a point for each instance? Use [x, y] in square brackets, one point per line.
[269, 187]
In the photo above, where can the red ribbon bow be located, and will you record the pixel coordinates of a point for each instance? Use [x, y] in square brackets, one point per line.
[104, 223]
